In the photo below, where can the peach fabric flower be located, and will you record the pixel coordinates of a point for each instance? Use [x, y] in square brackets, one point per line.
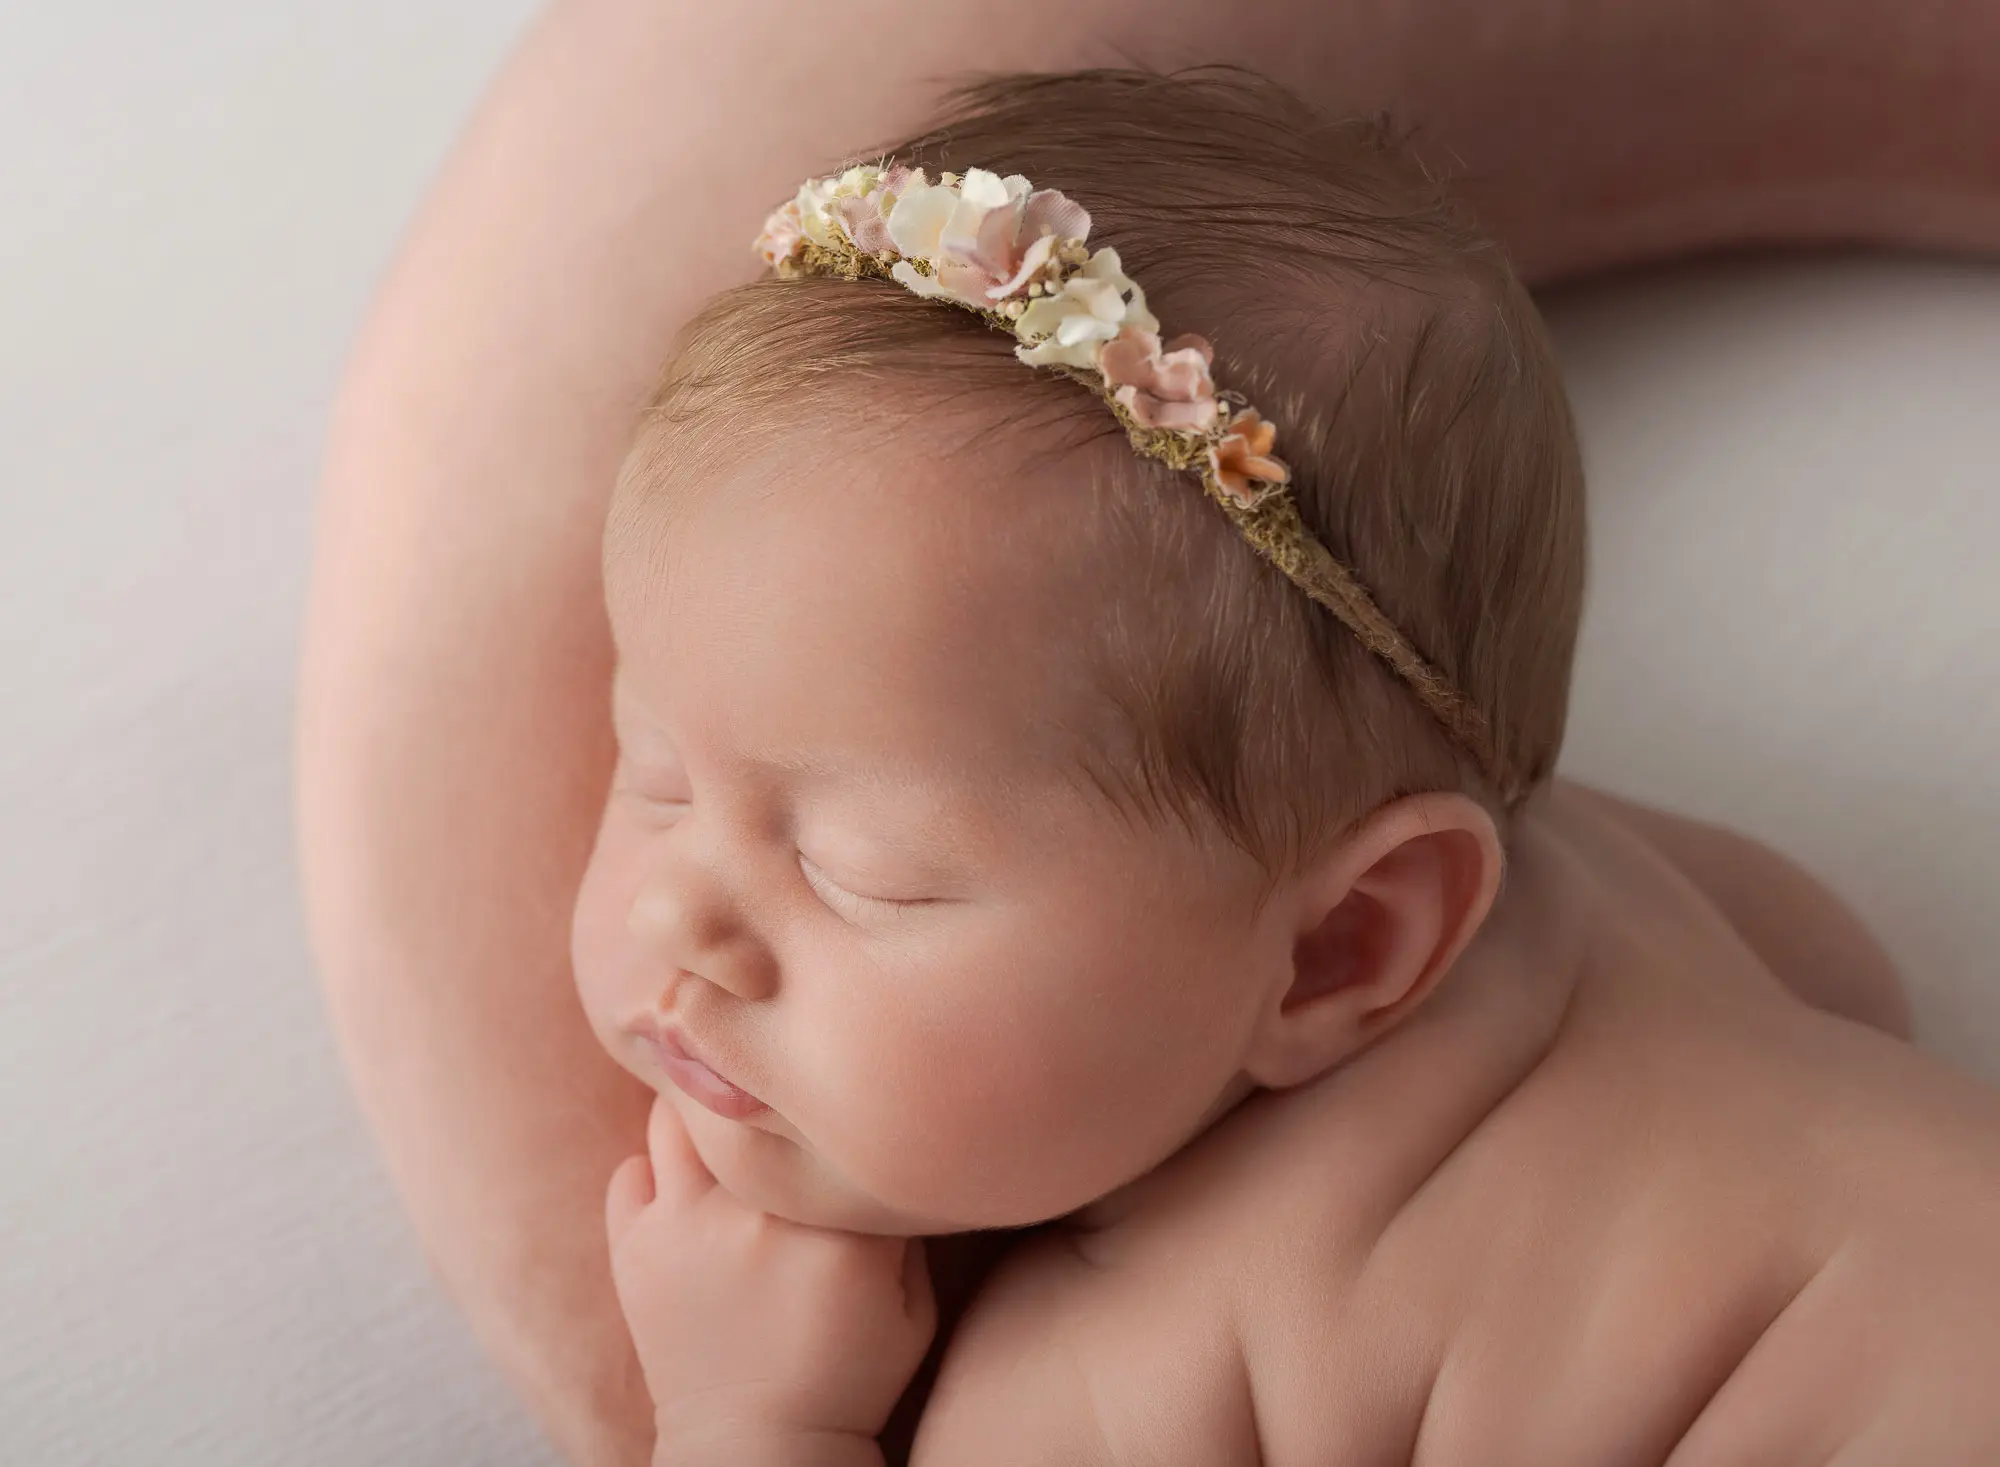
[865, 216]
[1244, 455]
[984, 237]
[782, 233]
[1167, 388]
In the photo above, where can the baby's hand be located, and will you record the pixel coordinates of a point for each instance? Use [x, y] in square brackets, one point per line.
[761, 1340]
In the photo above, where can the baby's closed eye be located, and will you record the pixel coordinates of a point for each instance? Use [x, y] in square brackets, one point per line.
[651, 781]
[845, 899]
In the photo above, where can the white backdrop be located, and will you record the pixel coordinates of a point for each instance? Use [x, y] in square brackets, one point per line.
[1795, 625]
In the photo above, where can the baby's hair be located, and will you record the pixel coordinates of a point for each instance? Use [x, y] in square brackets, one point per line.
[1350, 296]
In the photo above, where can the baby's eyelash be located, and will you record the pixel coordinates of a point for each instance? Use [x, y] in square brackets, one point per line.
[643, 786]
[834, 894]
[661, 804]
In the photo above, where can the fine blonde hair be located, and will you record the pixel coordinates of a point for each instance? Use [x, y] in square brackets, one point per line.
[1350, 296]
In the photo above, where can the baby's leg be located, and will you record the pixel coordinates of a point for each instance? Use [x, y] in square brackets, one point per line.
[1810, 939]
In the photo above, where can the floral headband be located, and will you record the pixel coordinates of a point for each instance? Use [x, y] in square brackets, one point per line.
[1016, 255]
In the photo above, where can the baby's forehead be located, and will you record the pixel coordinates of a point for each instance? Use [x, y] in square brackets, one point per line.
[934, 575]
[926, 525]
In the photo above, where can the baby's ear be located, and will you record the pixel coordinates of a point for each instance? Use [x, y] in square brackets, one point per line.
[1377, 920]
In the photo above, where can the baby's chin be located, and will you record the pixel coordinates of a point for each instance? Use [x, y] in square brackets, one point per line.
[771, 1172]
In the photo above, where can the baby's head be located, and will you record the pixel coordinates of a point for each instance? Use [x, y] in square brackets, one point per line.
[987, 808]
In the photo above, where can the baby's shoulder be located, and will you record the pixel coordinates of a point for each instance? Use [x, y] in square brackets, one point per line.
[1804, 934]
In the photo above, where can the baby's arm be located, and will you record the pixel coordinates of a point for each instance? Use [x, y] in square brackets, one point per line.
[1809, 938]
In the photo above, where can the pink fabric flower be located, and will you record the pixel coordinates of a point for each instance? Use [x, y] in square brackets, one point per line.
[1244, 456]
[781, 235]
[984, 237]
[1161, 389]
[1015, 240]
[866, 216]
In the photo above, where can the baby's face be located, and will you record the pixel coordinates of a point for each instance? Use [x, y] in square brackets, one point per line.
[850, 865]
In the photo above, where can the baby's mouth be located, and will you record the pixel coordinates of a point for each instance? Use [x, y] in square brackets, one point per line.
[695, 1078]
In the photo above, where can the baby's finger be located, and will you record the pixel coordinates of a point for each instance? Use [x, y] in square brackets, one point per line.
[678, 1172]
[628, 1195]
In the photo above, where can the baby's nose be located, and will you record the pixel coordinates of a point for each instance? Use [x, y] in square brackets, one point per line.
[687, 924]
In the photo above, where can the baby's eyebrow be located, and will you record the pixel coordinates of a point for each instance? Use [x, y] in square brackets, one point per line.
[636, 733]
[925, 809]
[868, 771]
[932, 781]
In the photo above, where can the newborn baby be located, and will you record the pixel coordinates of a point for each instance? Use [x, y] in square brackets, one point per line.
[1093, 648]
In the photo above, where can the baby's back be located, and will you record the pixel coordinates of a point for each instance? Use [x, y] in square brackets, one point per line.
[1650, 1209]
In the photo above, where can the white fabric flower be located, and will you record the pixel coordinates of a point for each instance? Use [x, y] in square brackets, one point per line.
[819, 200]
[917, 218]
[815, 199]
[929, 218]
[1070, 327]
[857, 180]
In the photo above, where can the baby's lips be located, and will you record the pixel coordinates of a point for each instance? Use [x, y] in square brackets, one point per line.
[696, 1079]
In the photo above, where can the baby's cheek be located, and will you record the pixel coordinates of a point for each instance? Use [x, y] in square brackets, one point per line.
[598, 936]
[978, 1117]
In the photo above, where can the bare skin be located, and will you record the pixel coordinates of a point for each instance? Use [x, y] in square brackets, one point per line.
[1439, 1183]
[1809, 940]
[455, 734]
[1661, 1211]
